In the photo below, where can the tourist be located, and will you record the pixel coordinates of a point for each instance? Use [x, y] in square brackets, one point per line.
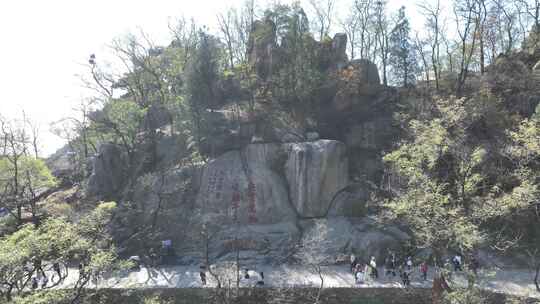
[409, 263]
[457, 262]
[202, 274]
[260, 282]
[373, 264]
[34, 283]
[366, 269]
[56, 268]
[404, 275]
[393, 263]
[81, 270]
[424, 270]
[44, 281]
[388, 265]
[407, 278]
[246, 274]
[359, 274]
[354, 262]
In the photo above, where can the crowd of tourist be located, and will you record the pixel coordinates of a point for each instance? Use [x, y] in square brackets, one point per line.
[365, 270]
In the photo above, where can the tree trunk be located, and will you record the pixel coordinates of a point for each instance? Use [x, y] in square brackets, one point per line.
[8, 293]
[482, 56]
[319, 271]
[537, 277]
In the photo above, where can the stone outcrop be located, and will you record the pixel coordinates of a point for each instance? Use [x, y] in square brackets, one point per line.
[269, 177]
[108, 172]
[366, 71]
[351, 201]
[536, 73]
[339, 50]
[261, 200]
[261, 46]
[63, 165]
[258, 244]
[245, 186]
[340, 236]
[157, 116]
[315, 172]
[272, 183]
[356, 83]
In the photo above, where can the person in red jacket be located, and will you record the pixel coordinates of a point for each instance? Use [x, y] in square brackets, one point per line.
[424, 270]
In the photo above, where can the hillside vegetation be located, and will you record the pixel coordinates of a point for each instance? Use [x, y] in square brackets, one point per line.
[270, 142]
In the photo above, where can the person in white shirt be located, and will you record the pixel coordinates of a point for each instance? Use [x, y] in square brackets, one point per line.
[409, 263]
[373, 264]
[457, 262]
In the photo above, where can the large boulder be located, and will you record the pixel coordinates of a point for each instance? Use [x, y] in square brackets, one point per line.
[366, 71]
[272, 183]
[157, 116]
[244, 186]
[340, 236]
[352, 201]
[108, 172]
[163, 200]
[228, 132]
[170, 149]
[536, 72]
[315, 172]
[512, 80]
[65, 166]
[257, 244]
[262, 46]
[363, 135]
[358, 82]
[339, 50]
[508, 73]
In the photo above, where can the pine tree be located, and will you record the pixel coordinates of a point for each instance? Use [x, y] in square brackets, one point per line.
[402, 56]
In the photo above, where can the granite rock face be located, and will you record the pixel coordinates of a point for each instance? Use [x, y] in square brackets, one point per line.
[108, 172]
[258, 244]
[244, 186]
[315, 172]
[272, 183]
[340, 236]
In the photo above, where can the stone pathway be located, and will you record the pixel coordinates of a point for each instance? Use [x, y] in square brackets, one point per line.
[517, 282]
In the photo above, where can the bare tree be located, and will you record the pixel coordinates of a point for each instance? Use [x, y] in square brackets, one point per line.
[382, 28]
[235, 26]
[507, 24]
[532, 9]
[184, 33]
[23, 182]
[324, 13]
[534, 263]
[351, 27]
[481, 18]
[15, 149]
[492, 40]
[419, 45]
[312, 252]
[366, 35]
[226, 23]
[434, 29]
[464, 12]
[101, 82]
[33, 137]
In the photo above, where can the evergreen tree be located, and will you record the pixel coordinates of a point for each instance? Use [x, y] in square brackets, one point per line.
[202, 78]
[402, 56]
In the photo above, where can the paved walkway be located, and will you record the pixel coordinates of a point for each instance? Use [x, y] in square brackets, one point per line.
[517, 282]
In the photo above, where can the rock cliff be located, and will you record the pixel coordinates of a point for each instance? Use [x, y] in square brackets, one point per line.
[269, 178]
